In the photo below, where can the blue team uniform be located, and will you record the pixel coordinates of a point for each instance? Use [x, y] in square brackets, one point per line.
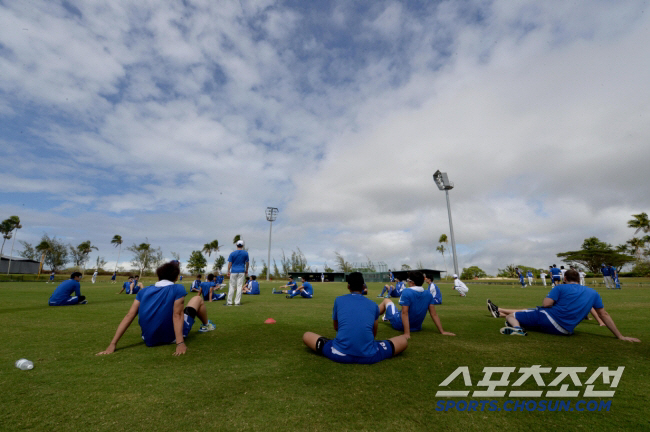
[62, 294]
[205, 291]
[572, 304]
[521, 278]
[529, 274]
[418, 300]
[51, 277]
[114, 276]
[156, 310]
[136, 288]
[254, 288]
[436, 293]
[355, 342]
[397, 291]
[308, 291]
[238, 258]
[390, 275]
[218, 279]
[127, 287]
[556, 274]
[605, 271]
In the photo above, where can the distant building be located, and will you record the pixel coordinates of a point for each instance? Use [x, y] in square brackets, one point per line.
[19, 265]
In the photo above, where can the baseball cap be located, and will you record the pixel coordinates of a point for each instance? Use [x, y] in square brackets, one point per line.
[240, 243]
[455, 275]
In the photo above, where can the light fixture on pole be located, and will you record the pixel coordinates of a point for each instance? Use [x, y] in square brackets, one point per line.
[443, 183]
[271, 215]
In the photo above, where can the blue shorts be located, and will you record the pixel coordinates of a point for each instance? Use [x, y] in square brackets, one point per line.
[216, 296]
[252, 293]
[169, 337]
[384, 350]
[395, 294]
[538, 320]
[394, 317]
[556, 278]
[67, 302]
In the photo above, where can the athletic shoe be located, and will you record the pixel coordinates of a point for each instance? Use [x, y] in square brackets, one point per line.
[83, 302]
[494, 309]
[383, 317]
[514, 331]
[226, 304]
[380, 296]
[207, 327]
[507, 324]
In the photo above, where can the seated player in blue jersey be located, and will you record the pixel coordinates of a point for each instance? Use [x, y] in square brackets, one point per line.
[392, 291]
[253, 287]
[62, 295]
[196, 284]
[163, 317]
[209, 290]
[290, 287]
[218, 279]
[415, 302]
[564, 307]
[355, 320]
[305, 290]
[434, 290]
[126, 286]
[136, 285]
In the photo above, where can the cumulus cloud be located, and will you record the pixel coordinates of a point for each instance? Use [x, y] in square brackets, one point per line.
[181, 122]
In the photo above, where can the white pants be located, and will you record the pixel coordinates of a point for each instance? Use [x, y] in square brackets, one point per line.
[462, 290]
[236, 280]
[544, 281]
[94, 279]
[530, 280]
[582, 281]
[609, 283]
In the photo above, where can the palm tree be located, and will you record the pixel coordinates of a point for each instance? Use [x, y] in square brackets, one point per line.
[207, 249]
[117, 241]
[236, 239]
[442, 249]
[44, 247]
[636, 246]
[640, 222]
[15, 222]
[85, 248]
[6, 227]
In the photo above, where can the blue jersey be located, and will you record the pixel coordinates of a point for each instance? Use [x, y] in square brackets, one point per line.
[418, 300]
[156, 310]
[356, 316]
[436, 293]
[292, 285]
[238, 258]
[529, 274]
[114, 276]
[205, 289]
[52, 276]
[572, 304]
[136, 288]
[392, 278]
[254, 287]
[308, 288]
[64, 290]
[218, 280]
[556, 272]
[605, 271]
[196, 285]
[127, 287]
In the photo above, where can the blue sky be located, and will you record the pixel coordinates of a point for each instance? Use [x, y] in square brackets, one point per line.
[181, 122]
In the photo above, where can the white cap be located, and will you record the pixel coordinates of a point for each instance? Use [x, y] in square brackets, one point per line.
[240, 243]
[455, 276]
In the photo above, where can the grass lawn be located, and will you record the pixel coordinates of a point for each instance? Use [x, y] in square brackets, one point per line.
[247, 375]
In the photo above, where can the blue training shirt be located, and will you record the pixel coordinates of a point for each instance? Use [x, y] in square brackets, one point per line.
[292, 285]
[156, 310]
[308, 288]
[436, 293]
[556, 272]
[605, 271]
[254, 286]
[418, 300]
[127, 287]
[64, 290]
[205, 289]
[238, 258]
[356, 316]
[572, 303]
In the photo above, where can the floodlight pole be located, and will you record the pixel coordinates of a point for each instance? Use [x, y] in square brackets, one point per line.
[11, 254]
[271, 215]
[443, 183]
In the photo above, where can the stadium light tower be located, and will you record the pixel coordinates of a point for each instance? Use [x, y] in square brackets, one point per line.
[271, 215]
[443, 183]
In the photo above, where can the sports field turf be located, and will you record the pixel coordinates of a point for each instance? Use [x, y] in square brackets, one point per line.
[247, 375]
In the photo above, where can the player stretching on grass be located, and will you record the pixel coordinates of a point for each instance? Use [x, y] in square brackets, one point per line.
[434, 290]
[393, 291]
[355, 320]
[163, 318]
[196, 284]
[209, 290]
[415, 302]
[253, 287]
[61, 295]
[126, 286]
[290, 286]
[305, 290]
[562, 310]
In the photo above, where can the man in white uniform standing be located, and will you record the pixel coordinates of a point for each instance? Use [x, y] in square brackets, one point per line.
[95, 276]
[237, 271]
[542, 276]
[460, 286]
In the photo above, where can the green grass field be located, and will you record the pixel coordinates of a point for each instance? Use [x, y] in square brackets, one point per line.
[248, 375]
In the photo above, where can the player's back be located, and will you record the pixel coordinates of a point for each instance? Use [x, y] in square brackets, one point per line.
[156, 310]
[308, 288]
[572, 303]
[418, 300]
